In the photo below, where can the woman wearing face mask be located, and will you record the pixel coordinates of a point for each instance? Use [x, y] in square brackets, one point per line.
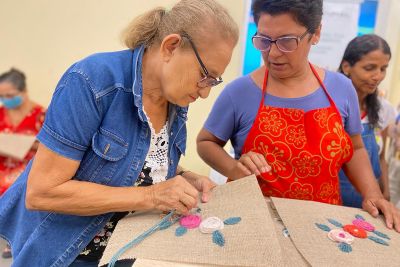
[365, 61]
[292, 124]
[113, 136]
[20, 115]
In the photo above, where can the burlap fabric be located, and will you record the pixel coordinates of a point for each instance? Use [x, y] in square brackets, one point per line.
[291, 256]
[300, 218]
[249, 243]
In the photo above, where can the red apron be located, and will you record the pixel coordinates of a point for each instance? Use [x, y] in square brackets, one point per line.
[304, 149]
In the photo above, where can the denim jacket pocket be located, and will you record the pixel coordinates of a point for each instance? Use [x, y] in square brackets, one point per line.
[107, 151]
[108, 145]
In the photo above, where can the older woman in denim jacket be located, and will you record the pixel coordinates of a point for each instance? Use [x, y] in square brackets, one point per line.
[113, 136]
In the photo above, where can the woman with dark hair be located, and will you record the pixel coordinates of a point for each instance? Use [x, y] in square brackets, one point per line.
[18, 115]
[365, 61]
[292, 124]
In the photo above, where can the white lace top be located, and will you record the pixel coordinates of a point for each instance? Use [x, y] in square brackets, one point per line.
[155, 168]
[157, 157]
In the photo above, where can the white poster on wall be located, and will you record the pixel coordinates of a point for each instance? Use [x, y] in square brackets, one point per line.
[339, 26]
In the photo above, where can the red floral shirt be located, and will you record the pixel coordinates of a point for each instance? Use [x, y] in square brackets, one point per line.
[11, 168]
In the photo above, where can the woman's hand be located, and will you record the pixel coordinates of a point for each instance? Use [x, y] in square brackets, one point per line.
[201, 183]
[249, 163]
[392, 215]
[174, 194]
[386, 194]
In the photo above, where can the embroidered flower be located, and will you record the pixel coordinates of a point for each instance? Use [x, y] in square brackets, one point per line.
[277, 155]
[296, 136]
[295, 114]
[321, 116]
[326, 190]
[300, 191]
[335, 146]
[272, 123]
[306, 164]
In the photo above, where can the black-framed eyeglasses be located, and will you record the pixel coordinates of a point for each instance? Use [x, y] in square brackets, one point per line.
[207, 80]
[285, 44]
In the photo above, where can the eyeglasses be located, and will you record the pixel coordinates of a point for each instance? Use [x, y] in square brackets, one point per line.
[207, 80]
[285, 44]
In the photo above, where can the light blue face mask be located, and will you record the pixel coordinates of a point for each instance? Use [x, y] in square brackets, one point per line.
[13, 102]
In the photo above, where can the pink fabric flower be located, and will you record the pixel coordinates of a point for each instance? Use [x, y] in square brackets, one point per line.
[190, 221]
[364, 225]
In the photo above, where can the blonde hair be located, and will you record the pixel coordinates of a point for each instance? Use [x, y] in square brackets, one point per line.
[198, 18]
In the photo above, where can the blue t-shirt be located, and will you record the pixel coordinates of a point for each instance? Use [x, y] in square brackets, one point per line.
[233, 113]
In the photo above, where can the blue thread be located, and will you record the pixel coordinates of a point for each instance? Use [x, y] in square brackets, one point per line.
[380, 234]
[232, 220]
[180, 231]
[335, 223]
[218, 238]
[358, 216]
[344, 247]
[161, 224]
[323, 227]
[165, 225]
[378, 240]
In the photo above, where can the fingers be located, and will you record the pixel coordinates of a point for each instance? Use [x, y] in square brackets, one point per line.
[243, 169]
[255, 162]
[175, 194]
[396, 220]
[370, 207]
[391, 213]
[187, 200]
[385, 207]
[206, 192]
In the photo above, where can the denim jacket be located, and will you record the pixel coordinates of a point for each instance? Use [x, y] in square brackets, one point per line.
[96, 117]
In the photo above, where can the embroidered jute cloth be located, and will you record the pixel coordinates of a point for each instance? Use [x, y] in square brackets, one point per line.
[248, 243]
[292, 256]
[300, 217]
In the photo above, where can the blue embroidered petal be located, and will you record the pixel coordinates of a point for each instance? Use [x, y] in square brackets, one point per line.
[323, 227]
[218, 238]
[232, 220]
[358, 216]
[380, 234]
[165, 225]
[335, 223]
[378, 240]
[344, 247]
[180, 231]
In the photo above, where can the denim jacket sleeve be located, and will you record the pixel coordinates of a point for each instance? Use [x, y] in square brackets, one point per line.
[73, 117]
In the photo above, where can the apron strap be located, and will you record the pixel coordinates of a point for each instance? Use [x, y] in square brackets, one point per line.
[264, 88]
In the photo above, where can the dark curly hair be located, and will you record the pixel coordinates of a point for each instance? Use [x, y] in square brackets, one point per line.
[355, 50]
[307, 13]
[16, 77]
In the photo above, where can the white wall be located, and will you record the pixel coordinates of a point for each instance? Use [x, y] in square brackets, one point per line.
[388, 27]
[44, 37]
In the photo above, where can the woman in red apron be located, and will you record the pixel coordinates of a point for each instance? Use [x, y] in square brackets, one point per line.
[304, 149]
[295, 153]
